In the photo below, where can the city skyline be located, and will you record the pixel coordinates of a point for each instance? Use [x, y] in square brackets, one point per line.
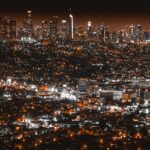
[115, 13]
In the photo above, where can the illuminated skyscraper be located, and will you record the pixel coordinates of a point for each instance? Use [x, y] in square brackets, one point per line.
[44, 28]
[121, 36]
[89, 29]
[147, 36]
[140, 33]
[71, 26]
[103, 30]
[136, 33]
[132, 33]
[63, 29]
[29, 18]
[114, 37]
[89, 24]
[53, 27]
[28, 26]
[7, 28]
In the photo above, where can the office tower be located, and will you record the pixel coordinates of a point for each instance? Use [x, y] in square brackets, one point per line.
[41, 31]
[114, 37]
[89, 24]
[29, 18]
[80, 31]
[139, 33]
[44, 29]
[89, 29]
[26, 31]
[7, 28]
[104, 33]
[70, 27]
[147, 36]
[121, 36]
[63, 29]
[132, 33]
[28, 23]
[53, 27]
[135, 33]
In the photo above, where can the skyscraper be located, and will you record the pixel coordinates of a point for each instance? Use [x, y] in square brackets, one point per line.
[26, 31]
[136, 33]
[89, 29]
[70, 27]
[53, 27]
[63, 29]
[44, 28]
[29, 23]
[7, 28]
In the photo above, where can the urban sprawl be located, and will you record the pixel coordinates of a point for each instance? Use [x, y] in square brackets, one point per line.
[73, 87]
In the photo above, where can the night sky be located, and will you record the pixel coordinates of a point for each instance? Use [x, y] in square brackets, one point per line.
[113, 12]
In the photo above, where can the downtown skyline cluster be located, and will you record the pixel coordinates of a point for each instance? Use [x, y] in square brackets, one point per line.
[68, 29]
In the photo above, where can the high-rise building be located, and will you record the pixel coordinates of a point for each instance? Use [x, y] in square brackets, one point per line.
[53, 27]
[136, 33]
[41, 31]
[28, 25]
[29, 18]
[44, 28]
[121, 36]
[104, 33]
[140, 33]
[63, 29]
[70, 27]
[89, 29]
[26, 31]
[7, 28]
[113, 37]
[147, 36]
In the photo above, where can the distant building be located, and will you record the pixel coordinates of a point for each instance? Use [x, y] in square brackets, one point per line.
[41, 32]
[28, 25]
[136, 33]
[82, 86]
[89, 29]
[70, 27]
[104, 33]
[147, 36]
[26, 31]
[63, 29]
[111, 95]
[113, 37]
[121, 36]
[7, 28]
[53, 27]
[44, 28]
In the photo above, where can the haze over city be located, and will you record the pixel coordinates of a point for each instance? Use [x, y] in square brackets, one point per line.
[112, 12]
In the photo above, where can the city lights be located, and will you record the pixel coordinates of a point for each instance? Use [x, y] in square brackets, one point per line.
[69, 86]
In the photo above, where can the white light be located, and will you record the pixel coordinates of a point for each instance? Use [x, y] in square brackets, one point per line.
[64, 85]
[146, 111]
[71, 16]
[55, 119]
[71, 19]
[89, 24]
[29, 38]
[33, 86]
[9, 81]
[64, 21]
